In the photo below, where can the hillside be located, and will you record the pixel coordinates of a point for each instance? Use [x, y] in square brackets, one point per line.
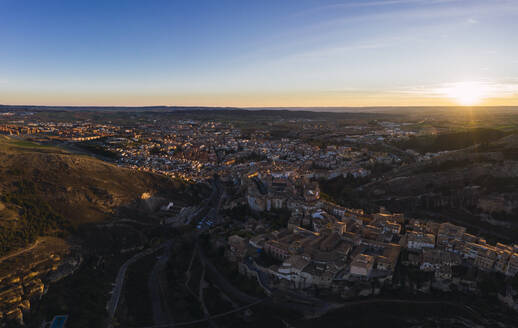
[497, 159]
[47, 190]
[477, 185]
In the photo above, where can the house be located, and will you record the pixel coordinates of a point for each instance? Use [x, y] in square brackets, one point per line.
[292, 270]
[485, 259]
[276, 249]
[431, 260]
[420, 240]
[448, 234]
[362, 265]
[391, 226]
[443, 272]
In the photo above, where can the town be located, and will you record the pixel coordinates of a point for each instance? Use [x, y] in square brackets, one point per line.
[195, 150]
[275, 213]
[324, 244]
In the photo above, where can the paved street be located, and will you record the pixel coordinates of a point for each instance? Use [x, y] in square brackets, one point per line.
[113, 303]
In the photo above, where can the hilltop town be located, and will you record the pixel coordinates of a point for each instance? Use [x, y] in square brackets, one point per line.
[325, 245]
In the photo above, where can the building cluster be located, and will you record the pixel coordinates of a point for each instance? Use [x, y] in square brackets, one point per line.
[19, 288]
[197, 149]
[59, 131]
[322, 244]
[35, 269]
[441, 246]
[325, 244]
[268, 190]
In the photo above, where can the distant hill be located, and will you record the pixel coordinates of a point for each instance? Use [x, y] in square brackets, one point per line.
[109, 108]
[47, 190]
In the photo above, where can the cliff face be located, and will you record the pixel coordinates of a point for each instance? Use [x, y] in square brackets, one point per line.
[483, 179]
[499, 203]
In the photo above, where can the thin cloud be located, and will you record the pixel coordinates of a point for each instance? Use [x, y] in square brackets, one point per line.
[439, 12]
[486, 89]
[337, 50]
[360, 4]
[422, 9]
[392, 3]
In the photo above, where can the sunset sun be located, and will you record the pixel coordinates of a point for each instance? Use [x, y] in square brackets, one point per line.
[467, 93]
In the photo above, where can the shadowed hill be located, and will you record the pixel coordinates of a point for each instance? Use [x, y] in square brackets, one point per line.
[452, 141]
[497, 159]
[47, 190]
[477, 185]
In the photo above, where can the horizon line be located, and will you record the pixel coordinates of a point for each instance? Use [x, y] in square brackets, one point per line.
[257, 107]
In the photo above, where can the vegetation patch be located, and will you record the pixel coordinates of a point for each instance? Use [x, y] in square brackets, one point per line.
[451, 141]
[96, 148]
[35, 218]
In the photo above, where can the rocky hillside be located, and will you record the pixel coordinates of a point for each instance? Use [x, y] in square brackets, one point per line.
[47, 190]
[481, 180]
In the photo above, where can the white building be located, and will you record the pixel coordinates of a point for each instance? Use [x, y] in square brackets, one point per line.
[419, 240]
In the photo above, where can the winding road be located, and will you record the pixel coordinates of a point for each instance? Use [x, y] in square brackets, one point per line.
[113, 303]
[158, 291]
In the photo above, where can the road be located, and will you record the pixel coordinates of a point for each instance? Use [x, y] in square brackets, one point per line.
[351, 303]
[413, 302]
[158, 291]
[157, 281]
[222, 282]
[202, 285]
[113, 303]
[216, 316]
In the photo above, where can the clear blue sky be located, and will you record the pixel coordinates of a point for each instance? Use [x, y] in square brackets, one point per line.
[258, 53]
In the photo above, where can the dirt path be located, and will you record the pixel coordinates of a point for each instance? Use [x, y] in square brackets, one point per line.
[21, 251]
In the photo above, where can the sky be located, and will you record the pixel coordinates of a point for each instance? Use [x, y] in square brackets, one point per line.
[259, 53]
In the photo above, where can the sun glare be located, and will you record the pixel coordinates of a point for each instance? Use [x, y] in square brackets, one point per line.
[467, 93]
